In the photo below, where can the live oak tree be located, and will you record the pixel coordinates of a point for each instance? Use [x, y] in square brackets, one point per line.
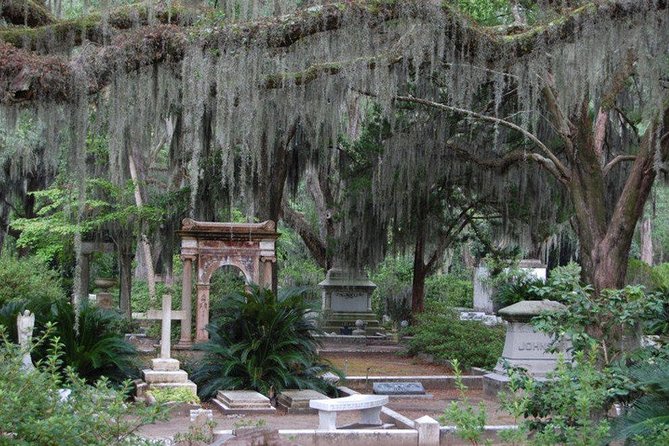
[572, 109]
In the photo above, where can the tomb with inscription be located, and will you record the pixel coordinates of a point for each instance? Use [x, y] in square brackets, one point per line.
[347, 299]
[398, 388]
[524, 347]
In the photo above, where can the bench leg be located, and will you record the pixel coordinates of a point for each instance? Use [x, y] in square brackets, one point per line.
[371, 416]
[327, 420]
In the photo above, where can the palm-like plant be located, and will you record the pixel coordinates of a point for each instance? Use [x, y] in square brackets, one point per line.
[93, 347]
[263, 341]
[648, 417]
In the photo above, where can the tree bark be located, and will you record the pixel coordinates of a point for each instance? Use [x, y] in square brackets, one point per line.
[646, 241]
[125, 257]
[419, 272]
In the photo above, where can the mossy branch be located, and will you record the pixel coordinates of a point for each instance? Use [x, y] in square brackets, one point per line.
[25, 13]
[25, 76]
[59, 35]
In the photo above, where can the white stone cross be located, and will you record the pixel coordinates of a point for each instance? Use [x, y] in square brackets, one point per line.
[166, 332]
[25, 323]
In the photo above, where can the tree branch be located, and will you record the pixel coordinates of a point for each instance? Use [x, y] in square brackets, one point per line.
[312, 241]
[616, 160]
[558, 169]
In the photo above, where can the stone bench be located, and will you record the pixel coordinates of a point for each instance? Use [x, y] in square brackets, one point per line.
[368, 405]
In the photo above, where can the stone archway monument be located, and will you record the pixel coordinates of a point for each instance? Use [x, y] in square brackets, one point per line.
[209, 246]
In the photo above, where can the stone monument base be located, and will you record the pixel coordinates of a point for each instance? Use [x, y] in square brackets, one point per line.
[336, 320]
[165, 373]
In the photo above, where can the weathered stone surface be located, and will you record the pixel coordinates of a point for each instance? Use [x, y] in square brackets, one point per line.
[524, 346]
[428, 431]
[368, 405]
[25, 323]
[153, 376]
[527, 309]
[297, 401]
[398, 388]
[242, 401]
[165, 365]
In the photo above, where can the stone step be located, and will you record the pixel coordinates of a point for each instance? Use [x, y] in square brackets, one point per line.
[165, 365]
[187, 385]
[155, 376]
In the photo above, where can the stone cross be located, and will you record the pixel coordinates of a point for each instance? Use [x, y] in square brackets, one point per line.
[25, 323]
[166, 332]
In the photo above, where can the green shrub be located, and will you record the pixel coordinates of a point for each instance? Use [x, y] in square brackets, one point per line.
[28, 279]
[439, 331]
[450, 290]
[393, 275]
[96, 346]
[660, 276]
[32, 411]
[646, 421]
[639, 273]
[263, 341]
[174, 395]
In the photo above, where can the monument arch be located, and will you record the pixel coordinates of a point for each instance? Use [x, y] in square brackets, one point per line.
[208, 246]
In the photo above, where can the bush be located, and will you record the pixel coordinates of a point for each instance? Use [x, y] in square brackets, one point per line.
[29, 280]
[393, 275]
[646, 421]
[450, 290]
[32, 411]
[97, 348]
[262, 342]
[438, 331]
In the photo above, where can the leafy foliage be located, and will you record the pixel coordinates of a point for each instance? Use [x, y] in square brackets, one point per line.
[28, 279]
[95, 347]
[32, 410]
[599, 322]
[469, 420]
[646, 421]
[264, 341]
[439, 331]
[174, 394]
[450, 290]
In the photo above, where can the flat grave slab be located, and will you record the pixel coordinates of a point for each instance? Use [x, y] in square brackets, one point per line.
[398, 388]
[297, 401]
[243, 401]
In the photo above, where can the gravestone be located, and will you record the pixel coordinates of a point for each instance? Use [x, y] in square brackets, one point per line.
[297, 401]
[243, 402]
[347, 298]
[165, 371]
[483, 292]
[525, 347]
[398, 388]
[25, 323]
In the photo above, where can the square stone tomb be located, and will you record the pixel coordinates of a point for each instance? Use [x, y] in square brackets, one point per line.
[297, 401]
[243, 401]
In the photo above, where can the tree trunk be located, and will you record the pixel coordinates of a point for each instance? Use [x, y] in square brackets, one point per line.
[419, 272]
[125, 291]
[646, 241]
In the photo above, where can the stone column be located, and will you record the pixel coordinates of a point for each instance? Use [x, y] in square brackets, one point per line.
[166, 329]
[202, 316]
[266, 266]
[186, 340]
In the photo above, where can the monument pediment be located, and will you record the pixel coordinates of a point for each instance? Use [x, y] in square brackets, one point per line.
[228, 231]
